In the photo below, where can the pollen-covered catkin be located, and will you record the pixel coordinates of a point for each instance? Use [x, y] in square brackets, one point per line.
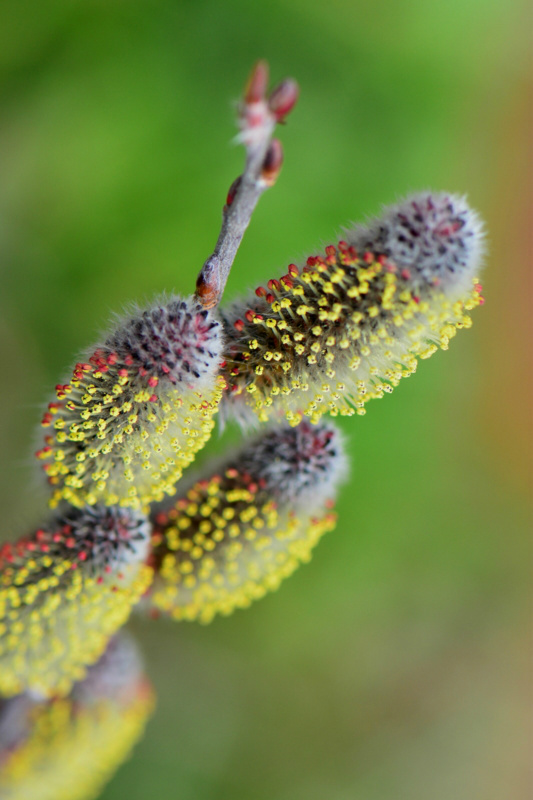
[68, 748]
[134, 415]
[64, 591]
[243, 528]
[349, 325]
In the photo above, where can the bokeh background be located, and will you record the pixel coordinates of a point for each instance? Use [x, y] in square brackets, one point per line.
[395, 664]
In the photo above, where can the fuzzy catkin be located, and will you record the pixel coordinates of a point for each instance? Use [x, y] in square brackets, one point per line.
[64, 591]
[245, 527]
[68, 748]
[135, 414]
[349, 325]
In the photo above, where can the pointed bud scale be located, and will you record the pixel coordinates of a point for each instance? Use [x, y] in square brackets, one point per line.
[257, 83]
[64, 592]
[283, 98]
[349, 325]
[68, 748]
[136, 413]
[245, 527]
[272, 163]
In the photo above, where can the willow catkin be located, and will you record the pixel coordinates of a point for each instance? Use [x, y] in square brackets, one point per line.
[349, 325]
[64, 591]
[135, 414]
[244, 527]
[68, 748]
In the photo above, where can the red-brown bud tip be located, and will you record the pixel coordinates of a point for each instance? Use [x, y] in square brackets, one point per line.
[283, 98]
[208, 285]
[272, 163]
[256, 86]
[232, 191]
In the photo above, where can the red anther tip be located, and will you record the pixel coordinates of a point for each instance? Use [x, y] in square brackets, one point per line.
[273, 285]
[257, 83]
[270, 298]
[261, 291]
[238, 324]
[250, 315]
[293, 270]
[273, 162]
[369, 257]
[330, 250]
[283, 98]
[153, 381]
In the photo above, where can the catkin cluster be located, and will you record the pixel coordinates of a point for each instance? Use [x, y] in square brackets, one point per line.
[322, 339]
[136, 409]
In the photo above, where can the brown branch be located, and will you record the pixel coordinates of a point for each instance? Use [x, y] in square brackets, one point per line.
[259, 113]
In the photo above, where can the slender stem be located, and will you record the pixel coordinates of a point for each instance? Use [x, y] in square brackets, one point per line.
[258, 115]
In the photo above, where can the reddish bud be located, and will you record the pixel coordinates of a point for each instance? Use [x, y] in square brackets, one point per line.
[272, 163]
[256, 86]
[232, 191]
[208, 287]
[283, 98]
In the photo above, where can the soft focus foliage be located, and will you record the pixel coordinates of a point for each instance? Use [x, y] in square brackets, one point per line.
[393, 664]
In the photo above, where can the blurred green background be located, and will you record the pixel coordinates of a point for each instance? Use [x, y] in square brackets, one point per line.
[395, 664]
